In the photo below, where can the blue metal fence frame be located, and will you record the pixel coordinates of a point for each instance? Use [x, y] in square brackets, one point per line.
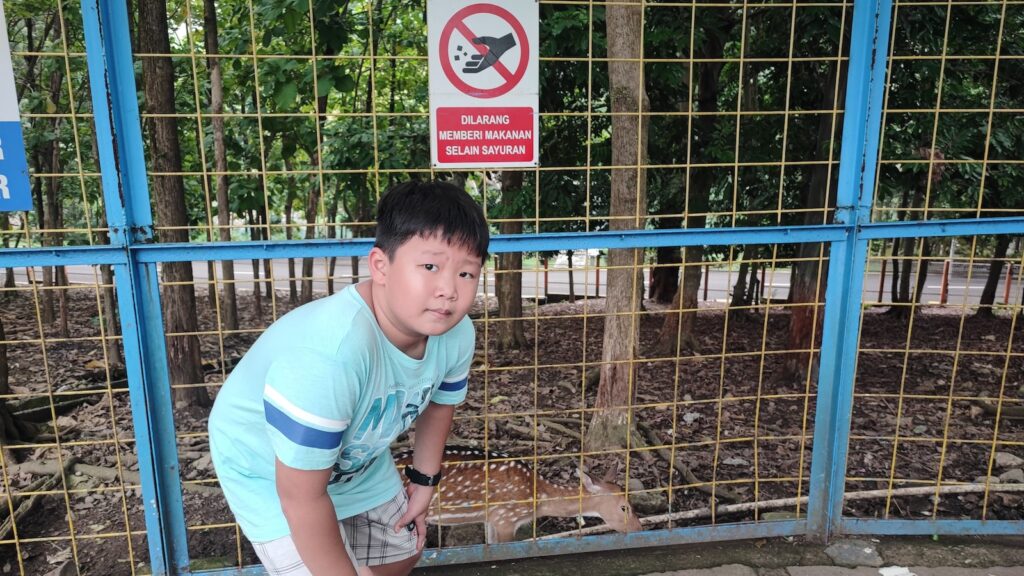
[135, 258]
[129, 216]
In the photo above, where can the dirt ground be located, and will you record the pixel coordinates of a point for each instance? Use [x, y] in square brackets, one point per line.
[744, 432]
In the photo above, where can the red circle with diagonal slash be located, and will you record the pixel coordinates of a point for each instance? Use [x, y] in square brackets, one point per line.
[458, 22]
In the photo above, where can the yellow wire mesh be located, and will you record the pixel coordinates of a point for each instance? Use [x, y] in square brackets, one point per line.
[70, 489]
[69, 467]
[936, 412]
[938, 398]
[705, 390]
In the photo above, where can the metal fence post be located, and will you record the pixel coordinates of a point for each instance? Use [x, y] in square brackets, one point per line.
[126, 195]
[847, 262]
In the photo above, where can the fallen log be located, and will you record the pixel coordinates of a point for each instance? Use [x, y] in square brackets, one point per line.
[706, 512]
[56, 474]
[101, 473]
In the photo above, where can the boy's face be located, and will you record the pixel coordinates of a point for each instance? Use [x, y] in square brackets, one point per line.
[428, 286]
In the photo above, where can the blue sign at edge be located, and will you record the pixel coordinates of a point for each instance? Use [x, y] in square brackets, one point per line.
[15, 193]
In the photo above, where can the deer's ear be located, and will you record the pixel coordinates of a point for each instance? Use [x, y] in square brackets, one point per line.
[588, 482]
[612, 473]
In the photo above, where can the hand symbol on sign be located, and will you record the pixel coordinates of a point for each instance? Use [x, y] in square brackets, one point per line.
[495, 48]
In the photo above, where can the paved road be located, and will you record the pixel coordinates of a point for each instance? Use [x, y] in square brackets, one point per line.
[719, 284]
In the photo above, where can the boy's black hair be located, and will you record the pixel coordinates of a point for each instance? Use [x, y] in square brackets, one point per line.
[418, 208]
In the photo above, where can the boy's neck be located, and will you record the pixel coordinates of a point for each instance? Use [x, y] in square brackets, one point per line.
[414, 348]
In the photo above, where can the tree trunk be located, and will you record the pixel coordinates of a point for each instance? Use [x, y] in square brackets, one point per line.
[665, 281]
[922, 276]
[508, 280]
[995, 273]
[44, 212]
[907, 272]
[268, 268]
[676, 332]
[5, 241]
[293, 294]
[739, 290]
[11, 429]
[55, 218]
[609, 428]
[229, 300]
[754, 285]
[807, 283]
[179, 299]
[312, 205]
[60, 278]
[211, 283]
[572, 281]
[112, 328]
[255, 235]
[332, 233]
[894, 280]
[5, 383]
[903, 268]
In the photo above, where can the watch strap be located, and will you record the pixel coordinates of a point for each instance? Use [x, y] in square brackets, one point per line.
[417, 477]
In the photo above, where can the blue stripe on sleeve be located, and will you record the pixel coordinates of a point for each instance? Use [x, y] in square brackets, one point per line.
[300, 433]
[453, 386]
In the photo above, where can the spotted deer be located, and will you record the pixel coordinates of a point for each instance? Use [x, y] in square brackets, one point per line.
[509, 493]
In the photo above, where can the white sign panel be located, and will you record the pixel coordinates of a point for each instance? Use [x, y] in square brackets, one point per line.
[14, 189]
[483, 83]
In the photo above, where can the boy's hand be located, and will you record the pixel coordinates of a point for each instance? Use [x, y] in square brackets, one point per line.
[419, 502]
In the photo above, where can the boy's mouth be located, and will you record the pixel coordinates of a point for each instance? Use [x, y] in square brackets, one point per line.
[440, 312]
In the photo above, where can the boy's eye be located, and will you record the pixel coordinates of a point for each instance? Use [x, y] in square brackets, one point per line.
[469, 275]
[429, 267]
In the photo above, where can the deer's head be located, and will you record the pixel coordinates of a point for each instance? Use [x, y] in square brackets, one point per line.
[607, 500]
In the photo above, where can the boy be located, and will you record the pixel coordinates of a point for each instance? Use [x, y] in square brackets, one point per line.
[300, 432]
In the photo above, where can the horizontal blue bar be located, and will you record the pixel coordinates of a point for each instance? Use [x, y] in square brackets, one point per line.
[646, 539]
[180, 252]
[67, 256]
[928, 527]
[599, 543]
[551, 241]
[257, 570]
[929, 229]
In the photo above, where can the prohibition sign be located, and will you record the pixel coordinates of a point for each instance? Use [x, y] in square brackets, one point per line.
[458, 22]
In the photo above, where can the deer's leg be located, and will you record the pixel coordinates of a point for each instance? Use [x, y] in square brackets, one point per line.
[502, 527]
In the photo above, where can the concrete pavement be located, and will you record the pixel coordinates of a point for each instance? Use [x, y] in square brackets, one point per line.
[741, 570]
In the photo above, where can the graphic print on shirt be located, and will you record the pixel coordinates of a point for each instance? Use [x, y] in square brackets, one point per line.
[378, 428]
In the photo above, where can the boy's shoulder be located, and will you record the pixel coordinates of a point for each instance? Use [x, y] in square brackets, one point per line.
[336, 325]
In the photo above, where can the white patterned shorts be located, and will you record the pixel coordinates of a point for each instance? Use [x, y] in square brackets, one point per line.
[370, 540]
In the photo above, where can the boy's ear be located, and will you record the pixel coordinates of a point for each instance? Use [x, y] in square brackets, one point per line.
[378, 262]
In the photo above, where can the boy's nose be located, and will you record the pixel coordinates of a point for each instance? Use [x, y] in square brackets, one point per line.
[446, 289]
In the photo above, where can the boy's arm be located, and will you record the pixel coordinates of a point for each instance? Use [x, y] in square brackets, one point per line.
[311, 518]
[432, 429]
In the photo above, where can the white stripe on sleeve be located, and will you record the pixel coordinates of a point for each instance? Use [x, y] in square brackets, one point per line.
[298, 413]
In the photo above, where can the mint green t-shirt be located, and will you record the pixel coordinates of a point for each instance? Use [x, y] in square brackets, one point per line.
[324, 388]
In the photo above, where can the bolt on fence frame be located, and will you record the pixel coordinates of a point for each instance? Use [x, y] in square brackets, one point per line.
[135, 260]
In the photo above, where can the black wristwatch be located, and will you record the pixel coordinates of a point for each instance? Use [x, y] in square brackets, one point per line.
[417, 477]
